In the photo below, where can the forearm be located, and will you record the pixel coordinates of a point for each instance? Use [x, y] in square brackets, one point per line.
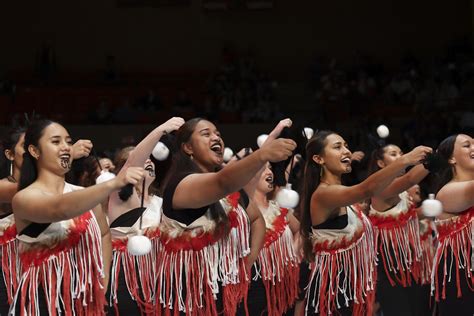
[415, 175]
[236, 175]
[293, 223]
[143, 150]
[257, 239]
[378, 181]
[107, 258]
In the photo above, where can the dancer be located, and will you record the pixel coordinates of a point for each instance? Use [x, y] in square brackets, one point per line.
[274, 285]
[64, 247]
[133, 278]
[13, 144]
[397, 236]
[11, 267]
[338, 239]
[204, 231]
[452, 278]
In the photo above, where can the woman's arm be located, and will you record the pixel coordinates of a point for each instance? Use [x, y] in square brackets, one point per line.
[106, 243]
[257, 233]
[201, 189]
[142, 151]
[403, 183]
[293, 223]
[331, 197]
[7, 190]
[35, 205]
[457, 196]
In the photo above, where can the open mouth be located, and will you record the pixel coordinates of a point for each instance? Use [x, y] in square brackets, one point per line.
[269, 179]
[217, 148]
[346, 160]
[151, 170]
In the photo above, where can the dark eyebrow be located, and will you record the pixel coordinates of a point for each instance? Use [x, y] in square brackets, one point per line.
[337, 143]
[204, 129]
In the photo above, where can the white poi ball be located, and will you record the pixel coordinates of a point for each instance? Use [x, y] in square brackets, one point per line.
[383, 131]
[287, 197]
[308, 132]
[431, 207]
[139, 245]
[160, 152]
[261, 139]
[228, 153]
[104, 176]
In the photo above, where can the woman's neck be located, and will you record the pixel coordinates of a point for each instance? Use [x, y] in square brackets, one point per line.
[260, 198]
[16, 174]
[461, 175]
[51, 182]
[330, 178]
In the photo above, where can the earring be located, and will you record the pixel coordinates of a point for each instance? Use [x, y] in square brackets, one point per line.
[11, 168]
[191, 156]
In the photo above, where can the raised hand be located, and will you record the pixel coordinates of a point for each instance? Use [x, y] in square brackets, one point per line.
[277, 150]
[417, 155]
[81, 148]
[171, 125]
[132, 175]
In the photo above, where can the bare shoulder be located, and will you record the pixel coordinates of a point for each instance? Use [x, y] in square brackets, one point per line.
[452, 189]
[26, 195]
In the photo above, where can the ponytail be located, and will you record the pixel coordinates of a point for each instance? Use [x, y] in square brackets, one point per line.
[311, 181]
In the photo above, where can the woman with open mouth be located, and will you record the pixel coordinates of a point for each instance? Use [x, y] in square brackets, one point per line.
[63, 235]
[338, 238]
[397, 237]
[452, 278]
[274, 285]
[133, 278]
[205, 233]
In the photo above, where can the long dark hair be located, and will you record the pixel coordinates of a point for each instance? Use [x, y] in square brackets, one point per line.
[29, 170]
[182, 163]
[311, 180]
[445, 152]
[9, 142]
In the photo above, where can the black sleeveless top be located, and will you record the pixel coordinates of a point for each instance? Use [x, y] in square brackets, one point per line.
[185, 216]
[338, 222]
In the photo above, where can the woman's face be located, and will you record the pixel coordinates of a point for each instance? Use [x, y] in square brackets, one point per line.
[206, 146]
[337, 156]
[107, 164]
[265, 182]
[150, 171]
[54, 149]
[463, 153]
[390, 154]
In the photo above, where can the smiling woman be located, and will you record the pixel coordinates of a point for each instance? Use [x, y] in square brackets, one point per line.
[338, 237]
[205, 233]
[136, 213]
[60, 226]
